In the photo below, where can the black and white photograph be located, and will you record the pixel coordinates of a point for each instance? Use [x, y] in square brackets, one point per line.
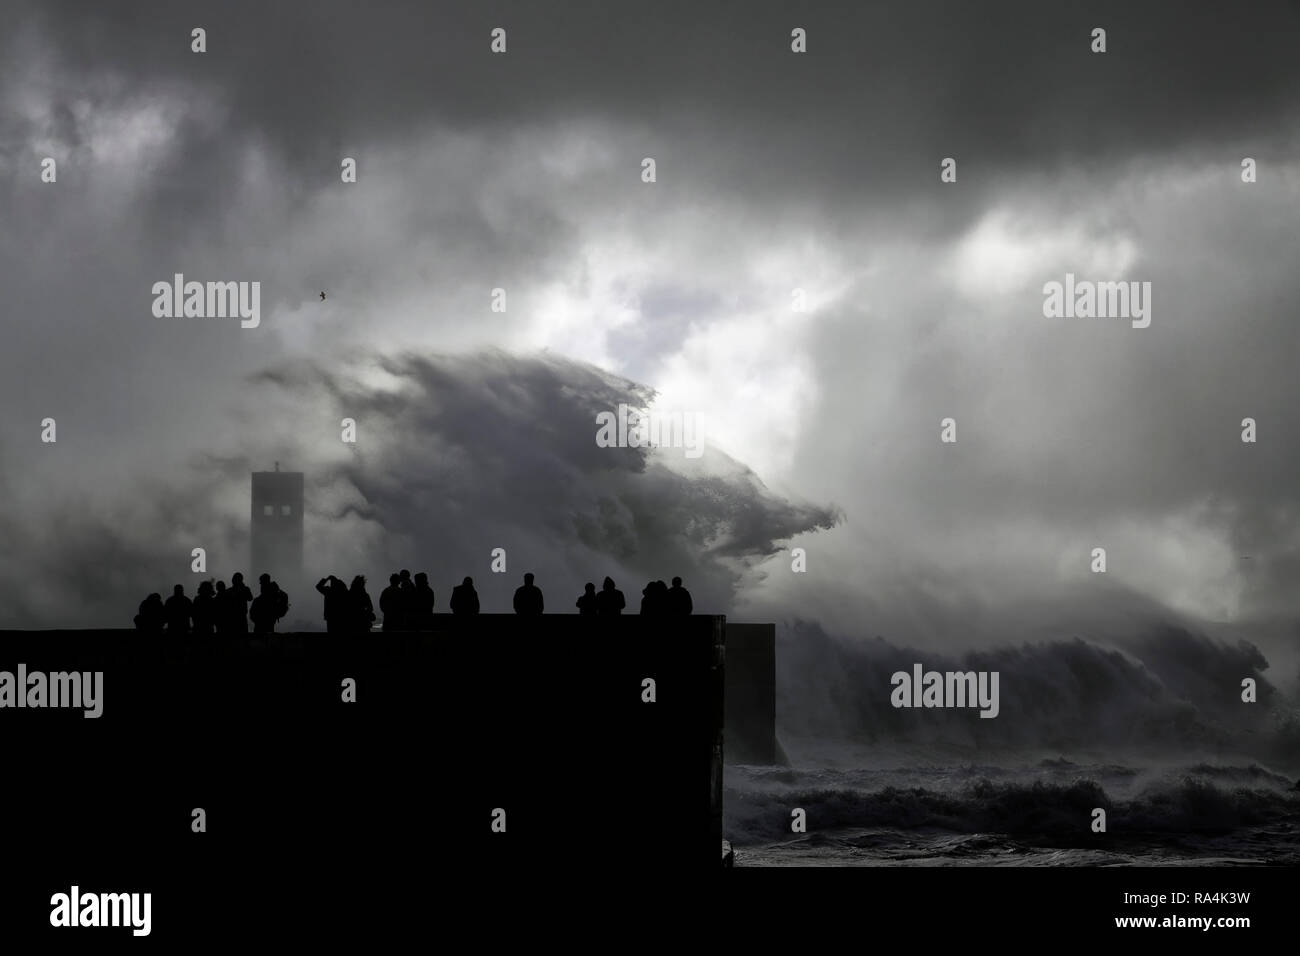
[710, 455]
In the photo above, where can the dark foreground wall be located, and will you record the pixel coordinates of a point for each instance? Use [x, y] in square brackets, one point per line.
[544, 719]
[751, 694]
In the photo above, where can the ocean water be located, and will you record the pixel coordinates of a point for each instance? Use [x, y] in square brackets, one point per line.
[1036, 813]
[1139, 716]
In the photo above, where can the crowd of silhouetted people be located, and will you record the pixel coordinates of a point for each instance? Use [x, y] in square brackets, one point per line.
[216, 609]
[405, 605]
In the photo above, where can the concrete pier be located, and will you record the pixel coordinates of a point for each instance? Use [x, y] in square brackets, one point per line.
[545, 719]
[750, 719]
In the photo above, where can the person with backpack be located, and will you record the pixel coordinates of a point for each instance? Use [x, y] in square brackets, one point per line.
[281, 602]
[269, 606]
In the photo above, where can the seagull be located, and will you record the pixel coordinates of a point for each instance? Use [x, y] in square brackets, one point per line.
[322, 296]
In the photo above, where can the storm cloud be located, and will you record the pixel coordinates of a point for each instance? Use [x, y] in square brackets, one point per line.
[776, 172]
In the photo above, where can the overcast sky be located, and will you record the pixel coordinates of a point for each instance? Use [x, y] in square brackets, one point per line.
[775, 171]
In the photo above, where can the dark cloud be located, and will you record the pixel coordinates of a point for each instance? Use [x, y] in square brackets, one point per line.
[884, 91]
[775, 171]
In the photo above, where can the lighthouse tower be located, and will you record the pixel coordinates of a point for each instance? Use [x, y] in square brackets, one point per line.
[276, 526]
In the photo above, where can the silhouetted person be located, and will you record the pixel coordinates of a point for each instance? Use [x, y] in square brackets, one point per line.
[654, 599]
[178, 609]
[264, 583]
[422, 619]
[204, 611]
[242, 596]
[528, 598]
[336, 602]
[152, 616]
[230, 610]
[661, 596]
[361, 612]
[281, 601]
[268, 607]
[464, 599]
[587, 600]
[406, 599]
[262, 611]
[221, 606]
[679, 600]
[610, 599]
[390, 603]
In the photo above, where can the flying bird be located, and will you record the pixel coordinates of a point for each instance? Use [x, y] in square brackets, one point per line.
[322, 296]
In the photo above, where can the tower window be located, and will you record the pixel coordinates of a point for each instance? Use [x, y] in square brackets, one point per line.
[268, 509]
[286, 509]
